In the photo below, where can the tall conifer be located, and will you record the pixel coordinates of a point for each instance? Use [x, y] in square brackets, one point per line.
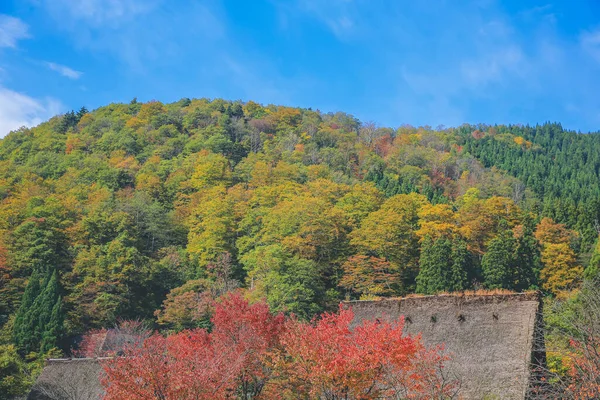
[22, 332]
[592, 271]
[443, 266]
[499, 262]
[528, 258]
[461, 263]
[39, 321]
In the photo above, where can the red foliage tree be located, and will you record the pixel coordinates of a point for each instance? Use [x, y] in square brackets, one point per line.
[585, 369]
[383, 145]
[327, 359]
[227, 362]
[251, 353]
[111, 342]
[477, 134]
[91, 344]
[245, 333]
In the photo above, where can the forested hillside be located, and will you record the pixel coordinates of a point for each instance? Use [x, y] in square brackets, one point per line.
[151, 211]
[561, 167]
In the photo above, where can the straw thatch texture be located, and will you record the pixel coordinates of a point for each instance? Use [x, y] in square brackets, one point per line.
[69, 379]
[494, 339]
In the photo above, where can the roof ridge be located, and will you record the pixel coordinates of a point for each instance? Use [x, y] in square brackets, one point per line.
[78, 359]
[534, 294]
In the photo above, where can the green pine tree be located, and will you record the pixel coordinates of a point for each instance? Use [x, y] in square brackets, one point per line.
[499, 262]
[528, 258]
[592, 272]
[22, 332]
[54, 328]
[442, 266]
[38, 325]
[431, 264]
[461, 263]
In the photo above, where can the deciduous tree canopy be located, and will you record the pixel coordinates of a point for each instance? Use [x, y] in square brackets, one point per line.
[124, 211]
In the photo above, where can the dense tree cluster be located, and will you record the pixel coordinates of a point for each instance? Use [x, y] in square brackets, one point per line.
[152, 211]
[561, 167]
[253, 354]
[573, 345]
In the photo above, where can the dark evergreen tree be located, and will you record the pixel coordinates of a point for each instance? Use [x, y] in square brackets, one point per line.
[22, 333]
[433, 266]
[39, 323]
[82, 111]
[443, 266]
[528, 258]
[54, 328]
[499, 262]
[68, 120]
[461, 264]
[592, 271]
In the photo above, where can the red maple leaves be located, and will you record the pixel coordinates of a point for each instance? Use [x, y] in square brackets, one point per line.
[585, 368]
[330, 359]
[251, 353]
[196, 364]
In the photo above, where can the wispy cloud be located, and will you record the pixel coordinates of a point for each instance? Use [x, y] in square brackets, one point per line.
[438, 96]
[150, 35]
[493, 67]
[101, 12]
[64, 70]
[139, 34]
[502, 68]
[338, 15]
[12, 30]
[590, 42]
[18, 109]
[470, 63]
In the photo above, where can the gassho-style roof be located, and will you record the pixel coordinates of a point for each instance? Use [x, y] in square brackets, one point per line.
[495, 340]
[69, 379]
[79, 378]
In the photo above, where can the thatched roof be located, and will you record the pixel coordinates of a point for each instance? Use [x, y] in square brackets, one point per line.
[492, 338]
[112, 342]
[69, 379]
[115, 342]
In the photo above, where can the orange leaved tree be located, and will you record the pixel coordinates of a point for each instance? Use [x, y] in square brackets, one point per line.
[330, 359]
[251, 353]
[584, 374]
[196, 364]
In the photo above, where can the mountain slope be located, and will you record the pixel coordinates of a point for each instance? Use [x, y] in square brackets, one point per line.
[151, 210]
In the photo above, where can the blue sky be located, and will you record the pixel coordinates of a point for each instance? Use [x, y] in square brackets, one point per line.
[393, 62]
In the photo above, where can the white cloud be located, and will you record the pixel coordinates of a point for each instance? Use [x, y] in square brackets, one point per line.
[494, 67]
[17, 110]
[64, 70]
[12, 30]
[590, 42]
[473, 74]
[141, 34]
[338, 15]
[101, 12]
[251, 81]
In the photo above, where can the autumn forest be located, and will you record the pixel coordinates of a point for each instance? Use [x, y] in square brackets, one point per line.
[152, 212]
